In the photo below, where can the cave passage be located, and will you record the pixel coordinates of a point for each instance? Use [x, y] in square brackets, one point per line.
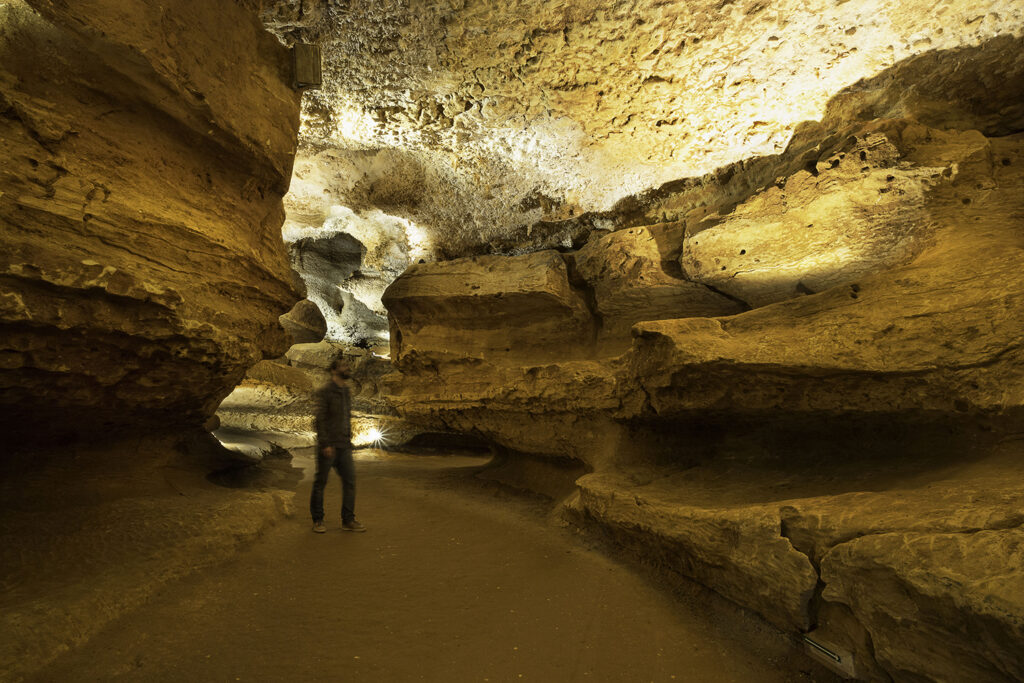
[457, 580]
[730, 290]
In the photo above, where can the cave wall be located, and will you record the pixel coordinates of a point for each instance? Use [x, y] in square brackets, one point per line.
[826, 427]
[147, 149]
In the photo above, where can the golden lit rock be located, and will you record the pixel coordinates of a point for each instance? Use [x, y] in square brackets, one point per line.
[140, 205]
[737, 286]
[487, 307]
[482, 108]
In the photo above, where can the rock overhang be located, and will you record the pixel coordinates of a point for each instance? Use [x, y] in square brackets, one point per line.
[490, 119]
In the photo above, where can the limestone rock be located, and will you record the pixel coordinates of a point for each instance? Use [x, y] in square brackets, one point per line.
[867, 511]
[507, 119]
[273, 372]
[738, 552]
[762, 451]
[854, 212]
[904, 339]
[937, 603]
[265, 406]
[305, 323]
[315, 357]
[247, 448]
[287, 15]
[140, 204]
[346, 262]
[323, 262]
[488, 307]
[626, 271]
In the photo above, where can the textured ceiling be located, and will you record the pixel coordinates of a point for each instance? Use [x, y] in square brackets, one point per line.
[474, 118]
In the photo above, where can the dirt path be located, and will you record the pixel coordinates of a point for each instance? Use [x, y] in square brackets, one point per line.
[456, 580]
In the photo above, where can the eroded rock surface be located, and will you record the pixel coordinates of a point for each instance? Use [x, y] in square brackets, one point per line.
[628, 273]
[882, 320]
[305, 323]
[481, 123]
[275, 401]
[488, 307]
[146, 153]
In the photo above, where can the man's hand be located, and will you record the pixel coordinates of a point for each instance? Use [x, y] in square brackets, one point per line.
[329, 452]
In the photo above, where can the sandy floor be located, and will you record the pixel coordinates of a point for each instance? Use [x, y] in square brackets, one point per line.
[456, 580]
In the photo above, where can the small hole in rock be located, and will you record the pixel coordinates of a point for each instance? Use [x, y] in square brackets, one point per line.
[723, 267]
[1006, 162]
[742, 252]
[966, 200]
[863, 155]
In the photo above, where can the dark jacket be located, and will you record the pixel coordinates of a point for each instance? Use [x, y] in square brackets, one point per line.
[333, 415]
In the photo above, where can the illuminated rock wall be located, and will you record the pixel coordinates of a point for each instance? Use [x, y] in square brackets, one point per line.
[837, 446]
[146, 150]
[486, 125]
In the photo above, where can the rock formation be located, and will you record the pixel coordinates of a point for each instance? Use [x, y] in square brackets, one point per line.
[816, 408]
[146, 153]
[747, 274]
[488, 125]
[276, 399]
[305, 323]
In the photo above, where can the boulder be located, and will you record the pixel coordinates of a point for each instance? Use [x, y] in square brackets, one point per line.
[305, 323]
[488, 307]
[314, 357]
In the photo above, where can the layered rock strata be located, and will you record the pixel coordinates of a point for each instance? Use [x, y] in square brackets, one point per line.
[800, 457]
[147, 149]
[500, 307]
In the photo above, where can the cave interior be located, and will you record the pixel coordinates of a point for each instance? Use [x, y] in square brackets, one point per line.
[735, 287]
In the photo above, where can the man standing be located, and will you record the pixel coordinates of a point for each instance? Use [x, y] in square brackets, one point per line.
[334, 448]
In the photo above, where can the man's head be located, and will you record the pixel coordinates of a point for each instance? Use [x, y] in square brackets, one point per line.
[340, 370]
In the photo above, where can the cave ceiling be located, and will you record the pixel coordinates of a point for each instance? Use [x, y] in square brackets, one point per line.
[473, 121]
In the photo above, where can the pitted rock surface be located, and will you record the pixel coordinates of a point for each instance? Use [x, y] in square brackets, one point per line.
[476, 119]
[140, 207]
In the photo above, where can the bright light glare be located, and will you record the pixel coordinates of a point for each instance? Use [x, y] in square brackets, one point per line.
[375, 437]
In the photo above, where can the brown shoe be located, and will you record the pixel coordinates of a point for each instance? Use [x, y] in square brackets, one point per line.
[319, 527]
[353, 526]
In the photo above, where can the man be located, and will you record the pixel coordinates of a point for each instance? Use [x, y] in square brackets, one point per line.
[334, 448]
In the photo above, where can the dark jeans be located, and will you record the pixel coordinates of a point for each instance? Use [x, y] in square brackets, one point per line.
[346, 468]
